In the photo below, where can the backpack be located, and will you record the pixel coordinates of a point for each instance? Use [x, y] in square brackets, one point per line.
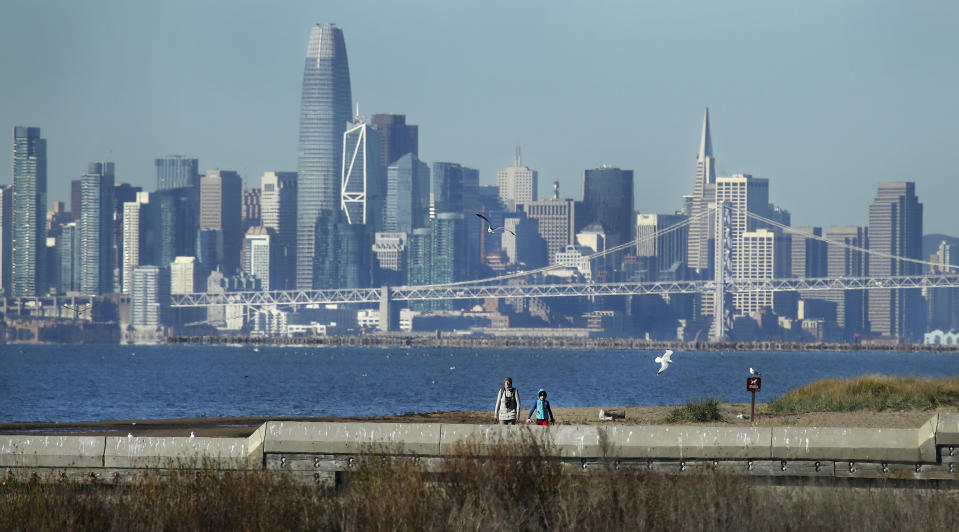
[510, 401]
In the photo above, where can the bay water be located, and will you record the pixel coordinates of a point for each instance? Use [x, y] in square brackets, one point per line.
[70, 383]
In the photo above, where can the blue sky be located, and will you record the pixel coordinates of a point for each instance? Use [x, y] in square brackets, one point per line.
[824, 98]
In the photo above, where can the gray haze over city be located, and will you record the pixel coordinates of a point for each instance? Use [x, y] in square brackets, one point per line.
[825, 99]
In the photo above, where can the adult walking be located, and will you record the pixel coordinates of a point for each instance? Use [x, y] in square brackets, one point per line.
[507, 404]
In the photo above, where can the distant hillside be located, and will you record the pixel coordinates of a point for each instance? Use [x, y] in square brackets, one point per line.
[930, 243]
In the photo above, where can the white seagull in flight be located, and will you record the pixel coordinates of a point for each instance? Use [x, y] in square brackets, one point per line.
[490, 228]
[664, 360]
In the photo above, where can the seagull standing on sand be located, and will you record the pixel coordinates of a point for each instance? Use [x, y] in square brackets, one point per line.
[753, 371]
[664, 360]
[490, 228]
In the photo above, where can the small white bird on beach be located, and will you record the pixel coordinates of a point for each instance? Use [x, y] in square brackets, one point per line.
[753, 371]
[129, 435]
[664, 360]
[192, 435]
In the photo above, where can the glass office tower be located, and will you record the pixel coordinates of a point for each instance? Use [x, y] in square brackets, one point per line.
[324, 113]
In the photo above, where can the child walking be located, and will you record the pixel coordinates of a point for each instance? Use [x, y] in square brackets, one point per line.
[544, 414]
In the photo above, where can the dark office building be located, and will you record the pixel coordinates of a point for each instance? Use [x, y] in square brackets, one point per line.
[608, 201]
[396, 137]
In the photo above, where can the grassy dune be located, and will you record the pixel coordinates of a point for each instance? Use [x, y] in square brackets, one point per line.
[871, 392]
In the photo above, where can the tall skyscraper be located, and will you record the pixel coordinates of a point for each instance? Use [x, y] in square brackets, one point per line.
[263, 257]
[446, 193]
[448, 252]
[608, 201]
[895, 227]
[149, 296]
[136, 227]
[396, 137]
[363, 185]
[700, 201]
[556, 223]
[68, 253]
[29, 211]
[176, 222]
[6, 237]
[324, 113]
[407, 194]
[518, 183]
[96, 229]
[251, 209]
[221, 193]
[808, 254]
[122, 193]
[342, 252]
[278, 212]
[841, 261]
[760, 254]
[669, 248]
[177, 171]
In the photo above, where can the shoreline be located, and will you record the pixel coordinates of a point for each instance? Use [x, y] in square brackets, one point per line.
[502, 342]
[231, 427]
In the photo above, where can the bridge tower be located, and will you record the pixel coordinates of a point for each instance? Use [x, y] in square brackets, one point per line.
[722, 271]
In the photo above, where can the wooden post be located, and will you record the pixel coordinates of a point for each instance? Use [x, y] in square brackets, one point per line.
[752, 406]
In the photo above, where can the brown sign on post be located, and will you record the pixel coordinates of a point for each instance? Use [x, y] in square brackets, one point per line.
[754, 384]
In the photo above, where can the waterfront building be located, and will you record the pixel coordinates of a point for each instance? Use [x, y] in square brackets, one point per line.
[324, 113]
[96, 229]
[407, 194]
[943, 303]
[185, 276]
[176, 171]
[278, 212]
[518, 183]
[6, 237]
[895, 228]
[397, 138]
[221, 194]
[149, 297]
[608, 201]
[27, 273]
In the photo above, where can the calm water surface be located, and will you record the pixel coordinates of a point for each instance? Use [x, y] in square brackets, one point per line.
[80, 383]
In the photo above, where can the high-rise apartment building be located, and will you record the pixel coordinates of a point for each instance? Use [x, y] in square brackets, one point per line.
[68, 258]
[176, 171]
[342, 252]
[6, 237]
[324, 113]
[262, 257]
[518, 183]
[761, 254]
[397, 138]
[96, 229]
[149, 296]
[221, 194]
[184, 275]
[29, 210]
[608, 201]
[895, 228]
[136, 244]
[407, 194]
[122, 193]
[176, 221]
[700, 201]
[278, 212]
[448, 252]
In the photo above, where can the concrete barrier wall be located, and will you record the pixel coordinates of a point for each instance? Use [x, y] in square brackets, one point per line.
[328, 446]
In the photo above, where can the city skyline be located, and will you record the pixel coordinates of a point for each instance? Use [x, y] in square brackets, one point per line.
[868, 100]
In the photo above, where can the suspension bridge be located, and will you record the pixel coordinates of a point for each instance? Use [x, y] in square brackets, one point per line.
[516, 285]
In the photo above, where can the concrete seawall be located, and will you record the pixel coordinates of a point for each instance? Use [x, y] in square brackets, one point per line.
[322, 451]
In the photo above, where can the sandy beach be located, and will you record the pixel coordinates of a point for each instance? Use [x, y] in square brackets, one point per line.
[225, 427]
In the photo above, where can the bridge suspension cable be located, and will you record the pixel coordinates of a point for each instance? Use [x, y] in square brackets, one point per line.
[596, 255]
[875, 252]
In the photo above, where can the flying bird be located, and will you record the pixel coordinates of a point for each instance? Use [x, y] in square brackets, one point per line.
[753, 371]
[490, 228]
[664, 360]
